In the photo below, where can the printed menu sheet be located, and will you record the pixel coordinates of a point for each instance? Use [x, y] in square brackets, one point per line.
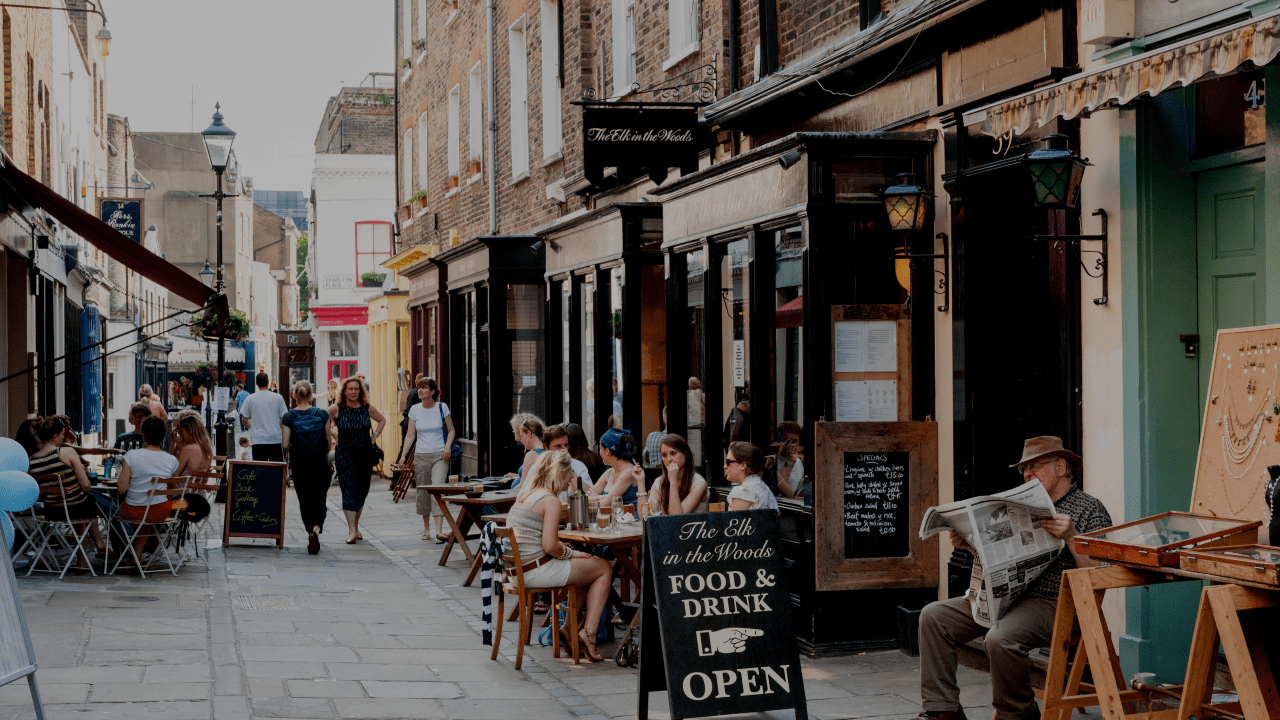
[867, 401]
[866, 346]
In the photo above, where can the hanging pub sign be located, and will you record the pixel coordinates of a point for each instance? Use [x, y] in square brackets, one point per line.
[123, 214]
[639, 140]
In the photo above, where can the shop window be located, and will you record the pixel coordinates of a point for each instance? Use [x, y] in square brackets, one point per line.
[431, 368]
[586, 331]
[787, 406]
[735, 342]
[344, 343]
[617, 390]
[696, 412]
[466, 405]
[1230, 113]
[566, 360]
[373, 247]
[525, 320]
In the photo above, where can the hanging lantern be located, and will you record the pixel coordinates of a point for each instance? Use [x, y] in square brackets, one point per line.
[1056, 173]
[905, 204]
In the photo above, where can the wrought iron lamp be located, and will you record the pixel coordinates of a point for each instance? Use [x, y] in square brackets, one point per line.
[906, 204]
[217, 143]
[206, 275]
[1056, 172]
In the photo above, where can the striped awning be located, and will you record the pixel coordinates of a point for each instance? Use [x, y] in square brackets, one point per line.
[1215, 53]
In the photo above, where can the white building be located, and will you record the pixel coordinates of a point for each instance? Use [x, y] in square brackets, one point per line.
[265, 318]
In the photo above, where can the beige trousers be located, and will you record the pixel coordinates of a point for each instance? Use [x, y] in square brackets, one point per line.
[429, 469]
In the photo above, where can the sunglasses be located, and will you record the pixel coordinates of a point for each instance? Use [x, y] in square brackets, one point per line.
[727, 463]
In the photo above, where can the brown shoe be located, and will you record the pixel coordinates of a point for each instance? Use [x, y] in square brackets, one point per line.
[313, 544]
[957, 714]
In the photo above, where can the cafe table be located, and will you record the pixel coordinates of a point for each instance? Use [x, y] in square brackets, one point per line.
[470, 513]
[623, 544]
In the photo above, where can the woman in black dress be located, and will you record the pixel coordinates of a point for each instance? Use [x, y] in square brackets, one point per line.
[353, 417]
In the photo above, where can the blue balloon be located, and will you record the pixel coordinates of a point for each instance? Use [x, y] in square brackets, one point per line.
[8, 531]
[18, 491]
[13, 456]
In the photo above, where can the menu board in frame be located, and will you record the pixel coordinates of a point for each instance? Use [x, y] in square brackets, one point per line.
[872, 485]
[871, 363]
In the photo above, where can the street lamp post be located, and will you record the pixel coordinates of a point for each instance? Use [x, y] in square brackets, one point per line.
[217, 143]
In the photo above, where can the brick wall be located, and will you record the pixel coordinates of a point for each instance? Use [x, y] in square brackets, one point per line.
[358, 121]
[30, 35]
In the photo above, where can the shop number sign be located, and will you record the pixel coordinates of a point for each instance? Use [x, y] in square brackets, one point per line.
[715, 589]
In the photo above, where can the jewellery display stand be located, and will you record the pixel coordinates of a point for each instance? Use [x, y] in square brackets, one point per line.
[1156, 540]
[1252, 563]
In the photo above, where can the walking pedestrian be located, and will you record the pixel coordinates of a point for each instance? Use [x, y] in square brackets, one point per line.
[241, 395]
[148, 396]
[332, 394]
[306, 437]
[262, 413]
[352, 419]
[431, 431]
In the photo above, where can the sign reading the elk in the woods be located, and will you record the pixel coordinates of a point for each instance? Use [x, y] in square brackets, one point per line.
[255, 503]
[715, 589]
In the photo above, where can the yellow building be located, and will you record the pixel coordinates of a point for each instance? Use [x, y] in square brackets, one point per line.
[390, 382]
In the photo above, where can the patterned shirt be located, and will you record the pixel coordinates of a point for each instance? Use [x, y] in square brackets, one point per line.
[754, 491]
[1087, 514]
[652, 457]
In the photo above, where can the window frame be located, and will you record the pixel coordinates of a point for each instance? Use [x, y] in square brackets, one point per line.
[455, 139]
[552, 95]
[518, 67]
[475, 114]
[423, 175]
[375, 252]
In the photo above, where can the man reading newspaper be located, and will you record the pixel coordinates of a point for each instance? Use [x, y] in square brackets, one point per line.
[1022, 622]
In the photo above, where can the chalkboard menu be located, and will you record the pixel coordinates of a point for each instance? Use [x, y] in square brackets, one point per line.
[877, 519]
[255, 506]
[715, 589]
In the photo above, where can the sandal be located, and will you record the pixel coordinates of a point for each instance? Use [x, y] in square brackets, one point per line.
[593, 653]
[442, 539]
[426, 535]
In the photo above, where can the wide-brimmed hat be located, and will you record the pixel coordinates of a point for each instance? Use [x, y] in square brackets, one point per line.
[1046, 446]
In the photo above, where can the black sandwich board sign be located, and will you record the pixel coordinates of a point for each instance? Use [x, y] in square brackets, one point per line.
[17, 655]
[255, 503]
[715, 597]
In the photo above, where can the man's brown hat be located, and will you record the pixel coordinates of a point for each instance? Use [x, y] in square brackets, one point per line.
[1046, 446]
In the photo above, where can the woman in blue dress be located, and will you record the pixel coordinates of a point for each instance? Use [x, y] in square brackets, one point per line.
[353, 418]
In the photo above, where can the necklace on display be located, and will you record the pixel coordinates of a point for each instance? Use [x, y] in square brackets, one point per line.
[1237, 450]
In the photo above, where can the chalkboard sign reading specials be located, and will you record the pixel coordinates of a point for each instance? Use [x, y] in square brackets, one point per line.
[715, 590]
[877, 523]
[255, 506]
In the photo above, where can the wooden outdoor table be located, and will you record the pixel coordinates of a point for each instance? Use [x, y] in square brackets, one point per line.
[469, 514]
[624, 546]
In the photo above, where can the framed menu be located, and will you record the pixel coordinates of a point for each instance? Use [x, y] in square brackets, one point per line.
[871, 362]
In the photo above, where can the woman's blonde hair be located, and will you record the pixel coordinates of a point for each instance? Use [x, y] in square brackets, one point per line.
[144, 392]
[302, 391]
[551, 472]
[527, 421]
[333, 390]
[364, 394]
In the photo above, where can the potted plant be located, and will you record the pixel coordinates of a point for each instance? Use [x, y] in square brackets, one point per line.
[373, 279]
[419, 44]
[406, 212]
[453, 5]
[475, 165]
[235, 329]
[453, 182]
[406, 62]
[420, 199]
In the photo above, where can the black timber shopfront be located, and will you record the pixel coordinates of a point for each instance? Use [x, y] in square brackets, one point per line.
[606, 345]
[496, 345]
[758, 248]
[427, 312]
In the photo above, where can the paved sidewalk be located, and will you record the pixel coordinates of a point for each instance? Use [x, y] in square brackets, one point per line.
[372, 630]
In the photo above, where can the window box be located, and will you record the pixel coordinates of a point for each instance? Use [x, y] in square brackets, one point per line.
[420, 200]
[405, 212]
[372, 279]
[474, 167]
[453, 182]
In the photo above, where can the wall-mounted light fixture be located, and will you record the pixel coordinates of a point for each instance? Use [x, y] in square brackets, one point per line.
[789, 158]
[1056, 172]
[906, 206]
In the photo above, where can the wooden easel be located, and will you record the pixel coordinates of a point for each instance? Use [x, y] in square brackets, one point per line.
[1218, 620]
[1080, 604]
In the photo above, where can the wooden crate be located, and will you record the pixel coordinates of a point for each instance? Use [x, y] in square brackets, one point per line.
[1255, 563]
[1156, 540]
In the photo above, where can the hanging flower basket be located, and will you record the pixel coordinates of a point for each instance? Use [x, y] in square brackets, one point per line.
[236, 329]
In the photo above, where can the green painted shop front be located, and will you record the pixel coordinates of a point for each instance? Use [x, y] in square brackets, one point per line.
[1200, 251]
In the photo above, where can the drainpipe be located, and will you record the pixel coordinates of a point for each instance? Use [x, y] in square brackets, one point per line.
[490, 13]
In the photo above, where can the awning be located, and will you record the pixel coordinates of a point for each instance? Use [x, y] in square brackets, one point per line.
[106, 238]
[187, 352]
[790, 315]
[1215, 53]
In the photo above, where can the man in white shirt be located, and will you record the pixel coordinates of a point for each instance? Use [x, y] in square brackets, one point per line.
[262, 411]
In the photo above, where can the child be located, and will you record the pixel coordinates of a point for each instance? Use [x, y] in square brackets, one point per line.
[244, 448]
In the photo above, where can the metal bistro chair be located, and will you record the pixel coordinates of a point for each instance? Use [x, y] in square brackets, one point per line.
[171, 489]
[513, 584]
[207, 483]
[54, 528]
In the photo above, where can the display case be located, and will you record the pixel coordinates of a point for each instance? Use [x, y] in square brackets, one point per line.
[1156, 540]
[1254, 563]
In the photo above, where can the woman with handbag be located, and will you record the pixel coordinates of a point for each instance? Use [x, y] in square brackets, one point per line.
[353, 419]
[433, 448]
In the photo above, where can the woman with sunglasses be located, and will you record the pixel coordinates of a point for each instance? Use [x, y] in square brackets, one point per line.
[742, 467]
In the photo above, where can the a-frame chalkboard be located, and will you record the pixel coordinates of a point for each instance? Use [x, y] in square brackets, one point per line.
[17, 655]
[716, 629]
[255, 502]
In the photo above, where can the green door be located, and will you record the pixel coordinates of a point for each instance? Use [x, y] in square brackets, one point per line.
[1231, 237]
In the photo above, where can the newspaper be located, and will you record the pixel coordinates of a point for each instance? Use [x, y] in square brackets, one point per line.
[1011, 548]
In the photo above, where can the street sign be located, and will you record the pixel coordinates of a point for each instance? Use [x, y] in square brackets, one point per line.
[715, 589]
[255, 508]
[123, 214]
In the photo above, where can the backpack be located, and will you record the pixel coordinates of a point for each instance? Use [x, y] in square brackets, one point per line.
[308, 432]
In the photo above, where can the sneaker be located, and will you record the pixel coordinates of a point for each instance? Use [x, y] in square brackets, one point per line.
[313, 544]
[957, 714]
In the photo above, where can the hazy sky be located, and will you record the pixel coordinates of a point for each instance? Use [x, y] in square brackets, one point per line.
[273, 64]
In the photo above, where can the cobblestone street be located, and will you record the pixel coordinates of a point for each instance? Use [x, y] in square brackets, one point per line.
[372, 630]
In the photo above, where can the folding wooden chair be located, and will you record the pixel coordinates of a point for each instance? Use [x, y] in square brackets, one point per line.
[513, 584]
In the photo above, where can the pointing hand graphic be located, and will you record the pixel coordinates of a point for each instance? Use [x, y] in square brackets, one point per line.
[726, 641]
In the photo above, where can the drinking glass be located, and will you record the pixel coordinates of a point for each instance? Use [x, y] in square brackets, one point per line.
[616, 526]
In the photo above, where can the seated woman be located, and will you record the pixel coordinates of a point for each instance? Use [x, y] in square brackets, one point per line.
[618, 450]
[53, 457]
[742, 467]
[143, 469]
[535, 521]
[191, 444]
[679, 490]
[527, 430]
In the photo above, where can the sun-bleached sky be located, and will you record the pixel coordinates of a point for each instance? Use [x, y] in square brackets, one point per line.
[273, 64]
